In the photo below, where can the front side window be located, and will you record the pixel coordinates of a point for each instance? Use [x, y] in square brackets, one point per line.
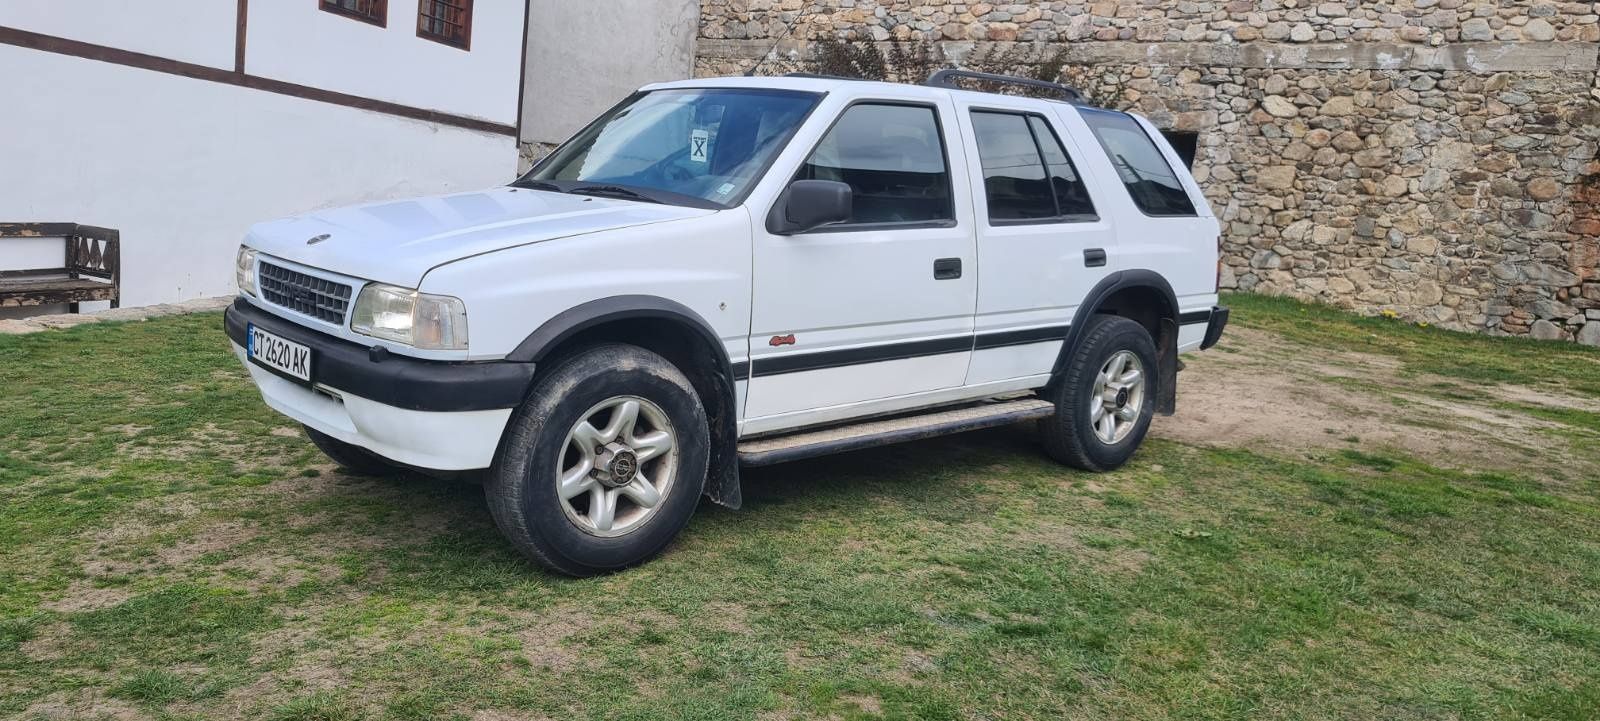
[893, 157]
[1143, 169]
[696, 146]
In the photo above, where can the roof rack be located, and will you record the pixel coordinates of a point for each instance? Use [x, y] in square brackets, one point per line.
[820, 76]
[946, 79]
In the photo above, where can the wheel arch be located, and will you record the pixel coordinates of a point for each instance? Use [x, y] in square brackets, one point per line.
[677, 333]
[1145, 297]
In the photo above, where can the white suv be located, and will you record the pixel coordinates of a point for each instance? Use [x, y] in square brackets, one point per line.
[741, 271]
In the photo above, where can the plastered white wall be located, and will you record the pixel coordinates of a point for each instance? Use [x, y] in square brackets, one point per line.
[20, 253]
[297, 42]
[194, 31]
[182, 167]
[585, 56]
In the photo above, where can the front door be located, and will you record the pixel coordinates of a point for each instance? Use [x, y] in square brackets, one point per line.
[856, 316]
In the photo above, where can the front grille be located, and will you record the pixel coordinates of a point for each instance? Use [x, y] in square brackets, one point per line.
[324, 300]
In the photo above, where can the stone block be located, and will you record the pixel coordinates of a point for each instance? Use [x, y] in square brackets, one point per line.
[1545, 330]
[1338, 106]
[1279, 107]
[1543, 189]
[1589, 334]
[1276, 177]
[1476, 30]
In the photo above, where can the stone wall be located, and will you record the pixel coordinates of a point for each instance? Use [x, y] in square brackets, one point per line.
[529, 153]
[1436, 158]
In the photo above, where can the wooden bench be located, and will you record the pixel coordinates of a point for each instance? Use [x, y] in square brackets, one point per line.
[92, 268]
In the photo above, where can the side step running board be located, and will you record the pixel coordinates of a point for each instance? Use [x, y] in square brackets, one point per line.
[805, 444]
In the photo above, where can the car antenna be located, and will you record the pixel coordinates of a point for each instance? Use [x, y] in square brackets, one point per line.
[781, 37]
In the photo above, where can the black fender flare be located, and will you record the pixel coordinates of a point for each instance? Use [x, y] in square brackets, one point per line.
[1166, 340]
[722, 477]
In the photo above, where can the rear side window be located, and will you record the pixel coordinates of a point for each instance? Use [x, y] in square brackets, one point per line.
[1072, 197]
[1144, 170]
[893, 157]
[1027, 175]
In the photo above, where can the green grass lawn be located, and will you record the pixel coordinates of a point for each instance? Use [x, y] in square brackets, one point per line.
[169, 548]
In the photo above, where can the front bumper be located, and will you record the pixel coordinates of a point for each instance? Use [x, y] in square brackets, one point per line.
[428, 414]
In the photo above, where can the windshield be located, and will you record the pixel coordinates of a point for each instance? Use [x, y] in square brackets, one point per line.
[697, 146]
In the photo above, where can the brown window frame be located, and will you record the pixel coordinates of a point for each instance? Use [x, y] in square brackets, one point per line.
[465, 43]
[381, 20]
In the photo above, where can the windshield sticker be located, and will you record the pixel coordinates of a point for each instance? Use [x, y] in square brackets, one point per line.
[698, 142]
[725, 190]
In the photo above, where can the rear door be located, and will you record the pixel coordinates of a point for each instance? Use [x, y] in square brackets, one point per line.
[1043, 242]
[879, 308]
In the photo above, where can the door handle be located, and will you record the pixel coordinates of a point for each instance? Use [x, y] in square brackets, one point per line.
[1094, 258]
[947, 269]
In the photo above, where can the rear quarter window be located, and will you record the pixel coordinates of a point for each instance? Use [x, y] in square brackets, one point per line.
[1155, 187]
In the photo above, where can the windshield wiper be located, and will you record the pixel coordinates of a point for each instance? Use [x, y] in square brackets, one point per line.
[537, 185]
[614, 191]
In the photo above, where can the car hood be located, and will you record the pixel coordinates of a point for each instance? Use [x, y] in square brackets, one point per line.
[399, 241]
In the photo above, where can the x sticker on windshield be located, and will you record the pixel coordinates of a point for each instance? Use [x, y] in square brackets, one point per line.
[698, 142]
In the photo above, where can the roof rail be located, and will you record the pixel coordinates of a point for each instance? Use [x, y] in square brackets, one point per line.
[820, 76]
[946, 79]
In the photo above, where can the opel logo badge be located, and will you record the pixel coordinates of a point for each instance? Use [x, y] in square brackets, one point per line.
[318, 239]
[623, 468]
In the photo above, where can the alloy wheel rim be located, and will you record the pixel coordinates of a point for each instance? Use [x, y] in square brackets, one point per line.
[617, 466]
[1118, 397]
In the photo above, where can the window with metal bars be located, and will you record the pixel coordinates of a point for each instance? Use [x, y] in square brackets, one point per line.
[446, 21]
[369, 11]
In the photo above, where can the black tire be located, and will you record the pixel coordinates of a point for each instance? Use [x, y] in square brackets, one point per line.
[354, 459]
[1069, 436]
[522, 486]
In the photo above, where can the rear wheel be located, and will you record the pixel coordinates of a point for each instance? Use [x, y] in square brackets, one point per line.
[1106, 399]
[604, 463]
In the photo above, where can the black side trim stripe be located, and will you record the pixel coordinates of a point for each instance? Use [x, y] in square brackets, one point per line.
[1004, 338]
[800, 362]
[1199, 316]
[777, 365]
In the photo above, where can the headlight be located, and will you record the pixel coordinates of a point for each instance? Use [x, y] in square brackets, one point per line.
[402, 315]
[244, 270]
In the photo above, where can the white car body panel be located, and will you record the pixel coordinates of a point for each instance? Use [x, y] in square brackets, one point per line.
[397, 242]
[701, 261]
[518, 258]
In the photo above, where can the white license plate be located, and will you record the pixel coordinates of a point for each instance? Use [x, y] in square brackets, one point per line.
[284, 355]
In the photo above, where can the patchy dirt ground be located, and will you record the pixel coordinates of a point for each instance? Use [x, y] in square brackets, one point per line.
[1260, 391]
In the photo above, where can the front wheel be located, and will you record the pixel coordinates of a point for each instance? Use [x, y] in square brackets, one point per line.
[603, 464]
[1105, 400]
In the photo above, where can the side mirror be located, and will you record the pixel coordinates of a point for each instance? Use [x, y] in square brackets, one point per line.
[811, 204]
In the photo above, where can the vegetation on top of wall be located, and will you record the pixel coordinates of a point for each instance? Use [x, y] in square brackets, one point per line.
[915, 61]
